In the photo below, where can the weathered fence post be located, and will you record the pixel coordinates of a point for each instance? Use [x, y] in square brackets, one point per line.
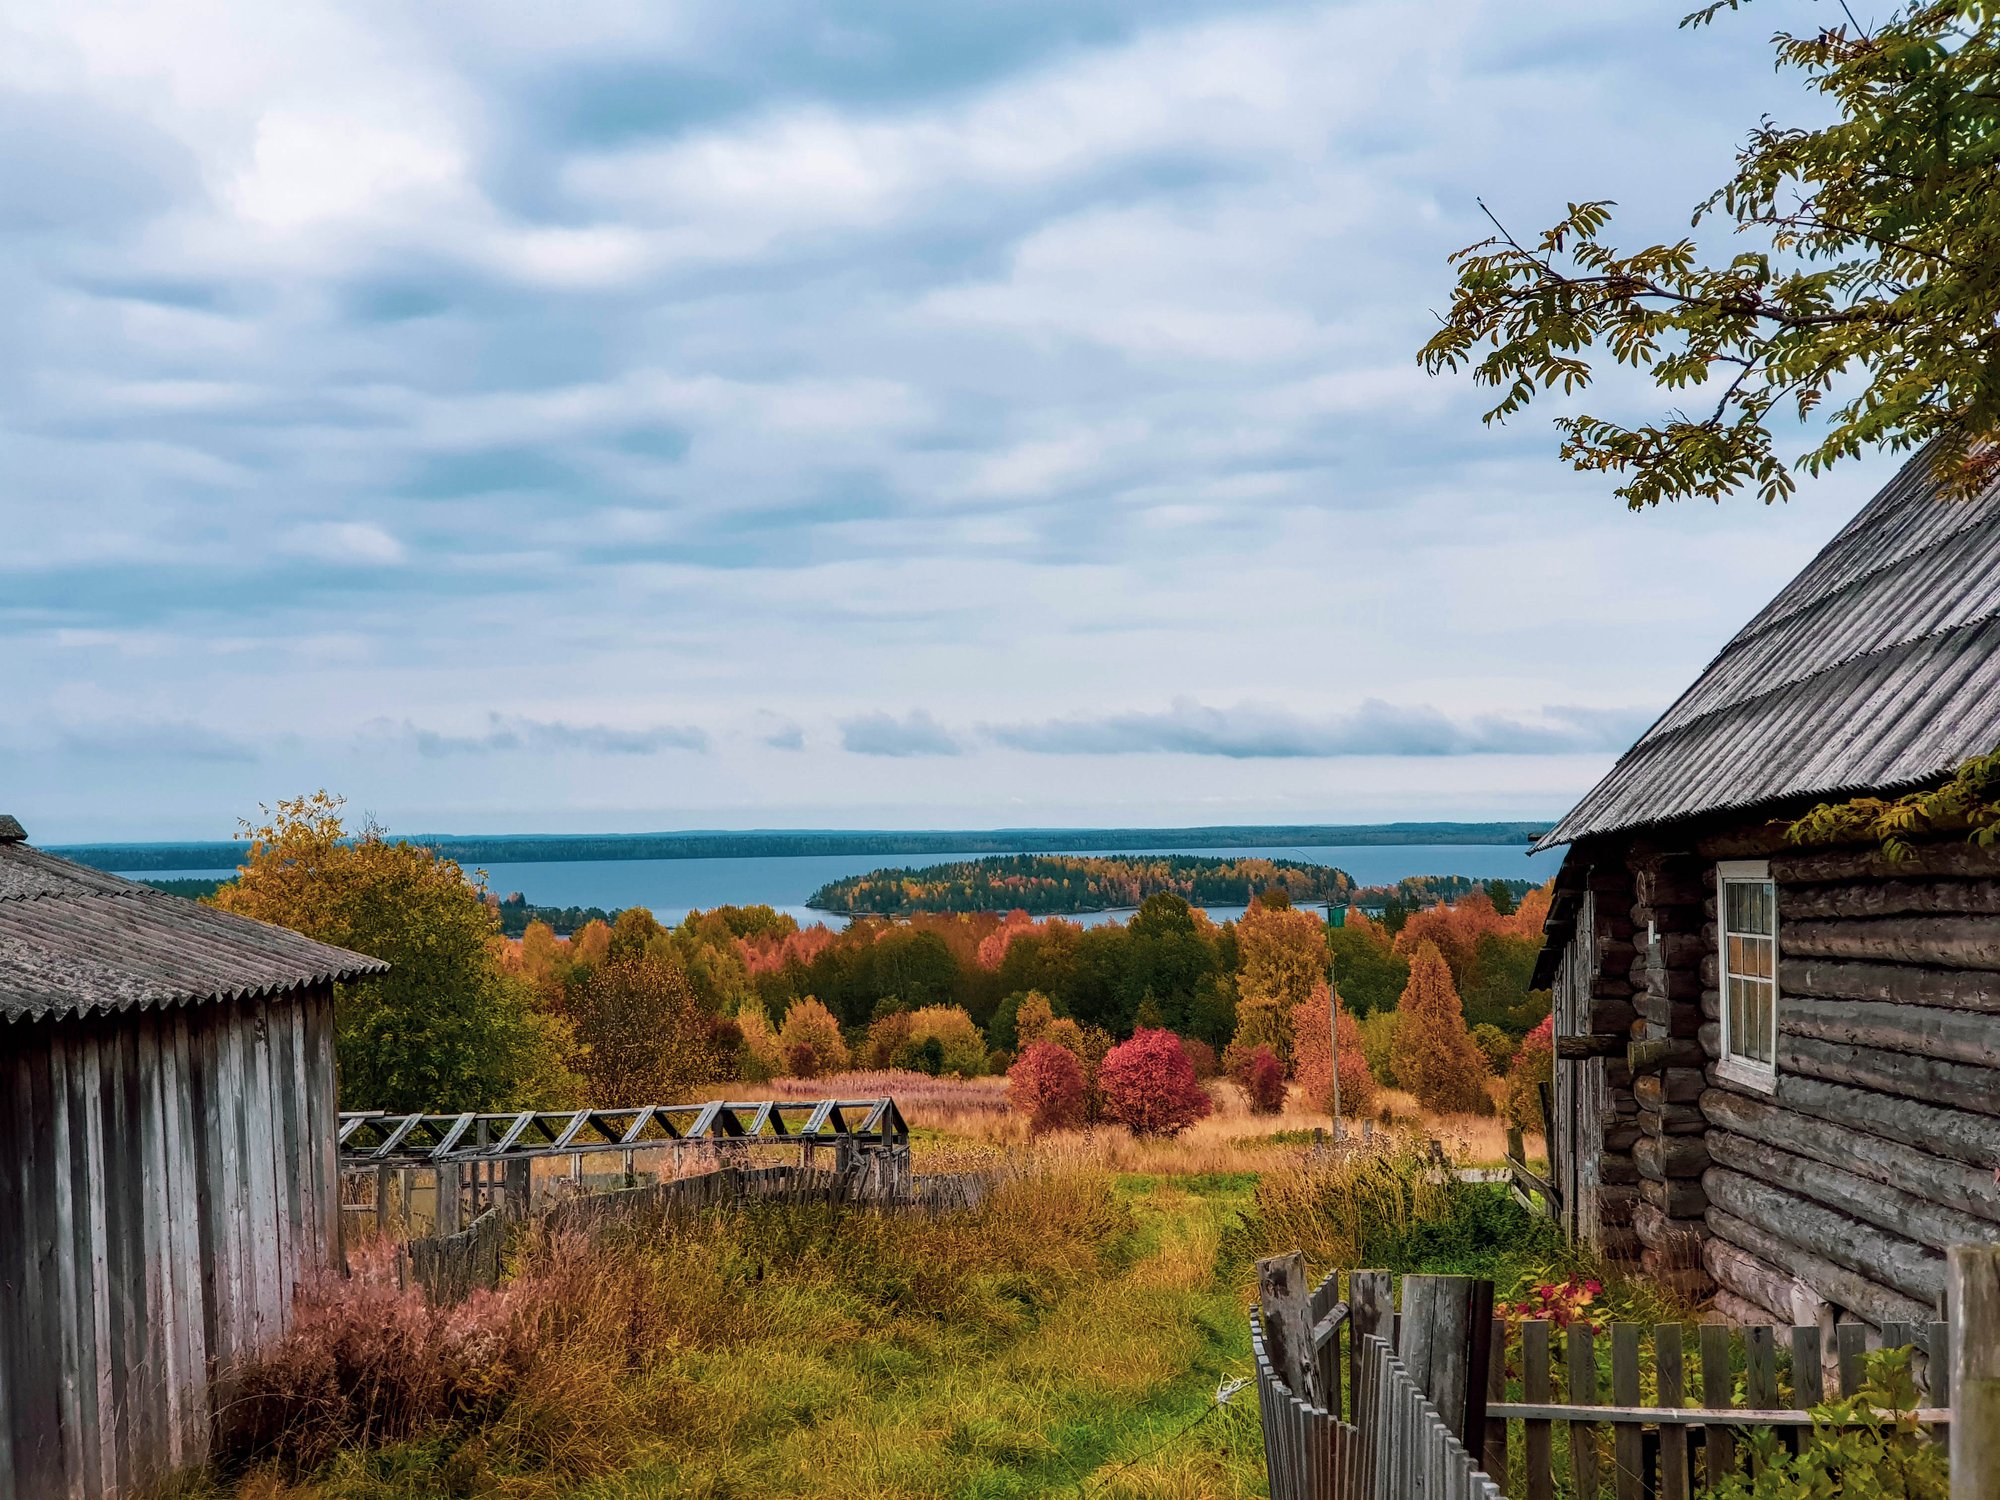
[519, 1187]
[1286, 1303]
[1974, 1292]
[447, 1198]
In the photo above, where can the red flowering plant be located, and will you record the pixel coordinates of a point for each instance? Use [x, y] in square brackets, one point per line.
[1563, 1303]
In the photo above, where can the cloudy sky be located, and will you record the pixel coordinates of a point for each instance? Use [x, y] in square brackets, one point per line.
[647, 414]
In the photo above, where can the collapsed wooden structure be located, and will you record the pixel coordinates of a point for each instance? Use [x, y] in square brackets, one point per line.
[167, 1173]
[1778, 1068]
[472, 1162]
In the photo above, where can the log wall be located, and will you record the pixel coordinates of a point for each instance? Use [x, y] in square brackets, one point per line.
[1597, 1114]
[166, 1180]
[1877, 1147]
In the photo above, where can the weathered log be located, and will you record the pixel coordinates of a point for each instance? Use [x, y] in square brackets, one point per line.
[1616, 1169]
[1611, 987]
[1880, 1204]
[1710, 1037]
[1755, 842]
[1855, 1291]
[1679, 950]
[1674, 1018]
[1611, 1017]
[1953, 942]
[1677, 882]
[1576, 1047]
[1615, 955]
[1618, 1244]
[1667, 984]
[1905, 984]
[1617, 1074]
[1954, 859]
[1676, 1197]
[1740, 1312]
[1861, 1150]
[1674, 1120]
[1916, 1271]
[1944, 1132]
[1953, 1035]
[1671, 1086]
[1671, 1156]
[1655, 1053]
[1621, 1135]
[1889, 898]
[1711, 976]
[1711, 1005]
[1751, 1276]
[1904, 1073]
[1677, 1239]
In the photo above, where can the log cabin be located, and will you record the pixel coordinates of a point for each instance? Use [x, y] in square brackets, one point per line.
[167, 1165]
[1778, 1067]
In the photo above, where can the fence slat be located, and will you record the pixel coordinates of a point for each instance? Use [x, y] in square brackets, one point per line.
[1718, 1389]
[1537, 1445]
[1583, 1392]
[1939, 1344]
[1852, 1341]
[1669, 1349]
[1808, 1369]
[1760, 1378]
[1628, 1438]
[1493, 1456]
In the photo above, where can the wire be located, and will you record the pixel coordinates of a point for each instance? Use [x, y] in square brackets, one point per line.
[1225, 1392]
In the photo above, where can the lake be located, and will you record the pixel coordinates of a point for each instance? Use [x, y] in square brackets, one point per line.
[671, 888]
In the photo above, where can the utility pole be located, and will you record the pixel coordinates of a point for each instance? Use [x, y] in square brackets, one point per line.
[1333, 1022]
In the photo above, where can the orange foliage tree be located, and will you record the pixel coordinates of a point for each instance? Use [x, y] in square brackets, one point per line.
[811, 1034]
[1281, 959]
[1433, 1054]
[1311, 1049]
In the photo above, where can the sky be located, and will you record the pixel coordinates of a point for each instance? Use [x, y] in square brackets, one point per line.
[628, 416]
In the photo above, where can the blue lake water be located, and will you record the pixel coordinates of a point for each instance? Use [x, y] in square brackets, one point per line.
[671, 888]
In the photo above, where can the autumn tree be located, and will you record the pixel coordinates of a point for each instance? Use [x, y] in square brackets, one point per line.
[1263, 1081]
[1047, 1085]
[1857, 297]
[810, 1029]
[1533, 1068]
[1311, 1049]
[959, 1047]
[1281, 959]
[448, 1028]
[645, 1038]
[1148, 1085]
[1434, 1055]
[1370, 971]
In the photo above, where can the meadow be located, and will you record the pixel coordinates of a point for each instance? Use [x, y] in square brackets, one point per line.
[1068, 1336]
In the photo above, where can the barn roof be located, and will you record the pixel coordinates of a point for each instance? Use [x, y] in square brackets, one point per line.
[75, 940]
[1877, 668]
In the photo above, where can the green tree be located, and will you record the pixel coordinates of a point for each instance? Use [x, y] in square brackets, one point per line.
[1864, 278]
[1370, 971]
[448, 1027]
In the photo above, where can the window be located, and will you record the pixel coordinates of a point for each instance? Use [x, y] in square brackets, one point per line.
[1747, 905]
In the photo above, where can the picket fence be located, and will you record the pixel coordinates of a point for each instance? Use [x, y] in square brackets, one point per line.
[1536, 1414]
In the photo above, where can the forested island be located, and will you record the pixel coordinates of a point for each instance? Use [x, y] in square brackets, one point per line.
[1047, 885]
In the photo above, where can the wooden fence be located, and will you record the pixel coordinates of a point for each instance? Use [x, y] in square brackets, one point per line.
[450, 1267]
[1671, 1419]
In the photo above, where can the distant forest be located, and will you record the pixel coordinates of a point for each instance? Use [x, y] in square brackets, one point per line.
[780, 843]
[1045, 885]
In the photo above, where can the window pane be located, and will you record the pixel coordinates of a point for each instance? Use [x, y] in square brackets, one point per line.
[1760, 1042]
[1739, 1016]
[1749, 905]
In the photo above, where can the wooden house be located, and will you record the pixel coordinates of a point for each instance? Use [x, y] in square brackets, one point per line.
[1778, 1071]
[167, 1169]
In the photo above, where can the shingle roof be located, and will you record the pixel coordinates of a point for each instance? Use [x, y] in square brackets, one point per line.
[75, 940]
[1877, 668]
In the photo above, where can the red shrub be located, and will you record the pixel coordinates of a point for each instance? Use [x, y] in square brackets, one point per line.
[1264, 1081]
[1534, 1063]
[1149, 1085]
[1046, 1084]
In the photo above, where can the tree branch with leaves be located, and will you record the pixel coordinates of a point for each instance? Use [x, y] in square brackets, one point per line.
[1867, 300]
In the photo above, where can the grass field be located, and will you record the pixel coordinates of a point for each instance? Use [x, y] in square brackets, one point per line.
[1068, 1337]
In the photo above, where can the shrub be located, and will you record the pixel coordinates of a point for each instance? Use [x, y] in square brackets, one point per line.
[762, 1058]
[811, 1026]
[945, 1037]
[1433, 1053]
[1866, 1444]
[1046, 1084]
[886, 1036]
[1310, 1051]
[1148, 1085]
[1264, 1081]
[1494, 1044]
[1534, 1064]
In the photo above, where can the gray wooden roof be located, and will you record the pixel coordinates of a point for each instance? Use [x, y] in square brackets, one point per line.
[1877, 668]
[75, 940]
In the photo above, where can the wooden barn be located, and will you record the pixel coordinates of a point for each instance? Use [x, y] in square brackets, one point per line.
[167, 1171]
[1778, 1071]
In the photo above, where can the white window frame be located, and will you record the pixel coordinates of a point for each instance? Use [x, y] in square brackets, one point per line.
[1744, 1071]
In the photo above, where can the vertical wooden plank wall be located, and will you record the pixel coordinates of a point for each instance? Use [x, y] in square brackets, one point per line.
[167, 1180]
